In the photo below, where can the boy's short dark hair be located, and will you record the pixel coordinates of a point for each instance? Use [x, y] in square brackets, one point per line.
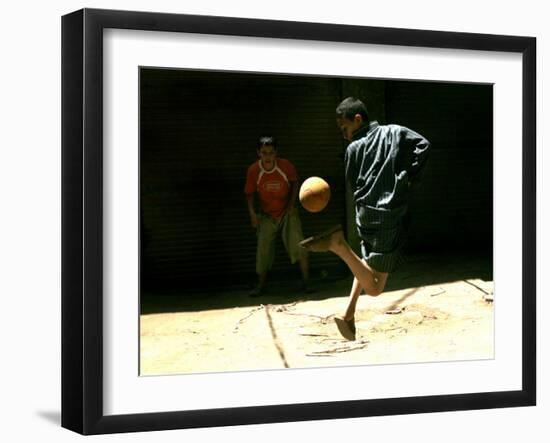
[267, 141]
[350, 107]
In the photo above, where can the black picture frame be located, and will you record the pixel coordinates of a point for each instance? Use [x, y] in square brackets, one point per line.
[82, 217]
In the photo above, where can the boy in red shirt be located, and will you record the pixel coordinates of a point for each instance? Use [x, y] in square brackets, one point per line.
[275, 180]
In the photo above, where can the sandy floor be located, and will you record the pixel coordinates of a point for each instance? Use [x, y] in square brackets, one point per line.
[414, 321]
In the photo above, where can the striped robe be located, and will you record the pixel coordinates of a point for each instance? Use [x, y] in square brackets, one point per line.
[383, 162]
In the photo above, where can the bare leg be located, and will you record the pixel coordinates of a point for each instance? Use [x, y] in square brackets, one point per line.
[352, 300]
[372, 281]
[367, 278]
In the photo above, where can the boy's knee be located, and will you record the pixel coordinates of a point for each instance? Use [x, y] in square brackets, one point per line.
[377, 287]
[377, 291]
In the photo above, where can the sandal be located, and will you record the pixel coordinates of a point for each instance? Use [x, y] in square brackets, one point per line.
[346, 327]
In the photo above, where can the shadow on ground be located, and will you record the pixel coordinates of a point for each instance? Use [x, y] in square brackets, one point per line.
[417, 271]
[53, 417]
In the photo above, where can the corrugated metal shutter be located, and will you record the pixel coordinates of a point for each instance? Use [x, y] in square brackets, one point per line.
[198, 137]
[453, 208]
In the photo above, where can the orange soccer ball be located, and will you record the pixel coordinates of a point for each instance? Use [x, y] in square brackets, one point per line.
[314, 194]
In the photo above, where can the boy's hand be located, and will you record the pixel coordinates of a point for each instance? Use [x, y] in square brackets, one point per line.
[254, 220]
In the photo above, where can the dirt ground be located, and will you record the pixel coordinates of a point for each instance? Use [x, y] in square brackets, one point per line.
[434, 309]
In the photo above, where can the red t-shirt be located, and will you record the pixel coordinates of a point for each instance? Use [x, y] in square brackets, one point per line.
[273, 186]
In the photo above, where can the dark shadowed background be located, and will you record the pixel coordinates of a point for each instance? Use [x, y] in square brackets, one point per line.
[198, 133]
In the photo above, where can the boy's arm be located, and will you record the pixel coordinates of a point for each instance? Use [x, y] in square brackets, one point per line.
[251, 211]
[292, 174]
[420, 148]
[294, 188]
[250, 190]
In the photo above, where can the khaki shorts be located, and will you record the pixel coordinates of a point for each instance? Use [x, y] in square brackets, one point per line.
[290, 228]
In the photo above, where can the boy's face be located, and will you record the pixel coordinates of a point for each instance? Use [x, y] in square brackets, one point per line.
[267, 154]
[348, 127]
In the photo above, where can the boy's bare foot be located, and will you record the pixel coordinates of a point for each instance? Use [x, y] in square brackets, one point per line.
[325, 241]
[346, 327]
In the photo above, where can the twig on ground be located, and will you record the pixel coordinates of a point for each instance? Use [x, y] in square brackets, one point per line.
[323, 319]
[396, 329]
[477, 287]
[276, 341]
[358, 345]
[395, 311]
[438, 293]
[284, 308]
[242, 320]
